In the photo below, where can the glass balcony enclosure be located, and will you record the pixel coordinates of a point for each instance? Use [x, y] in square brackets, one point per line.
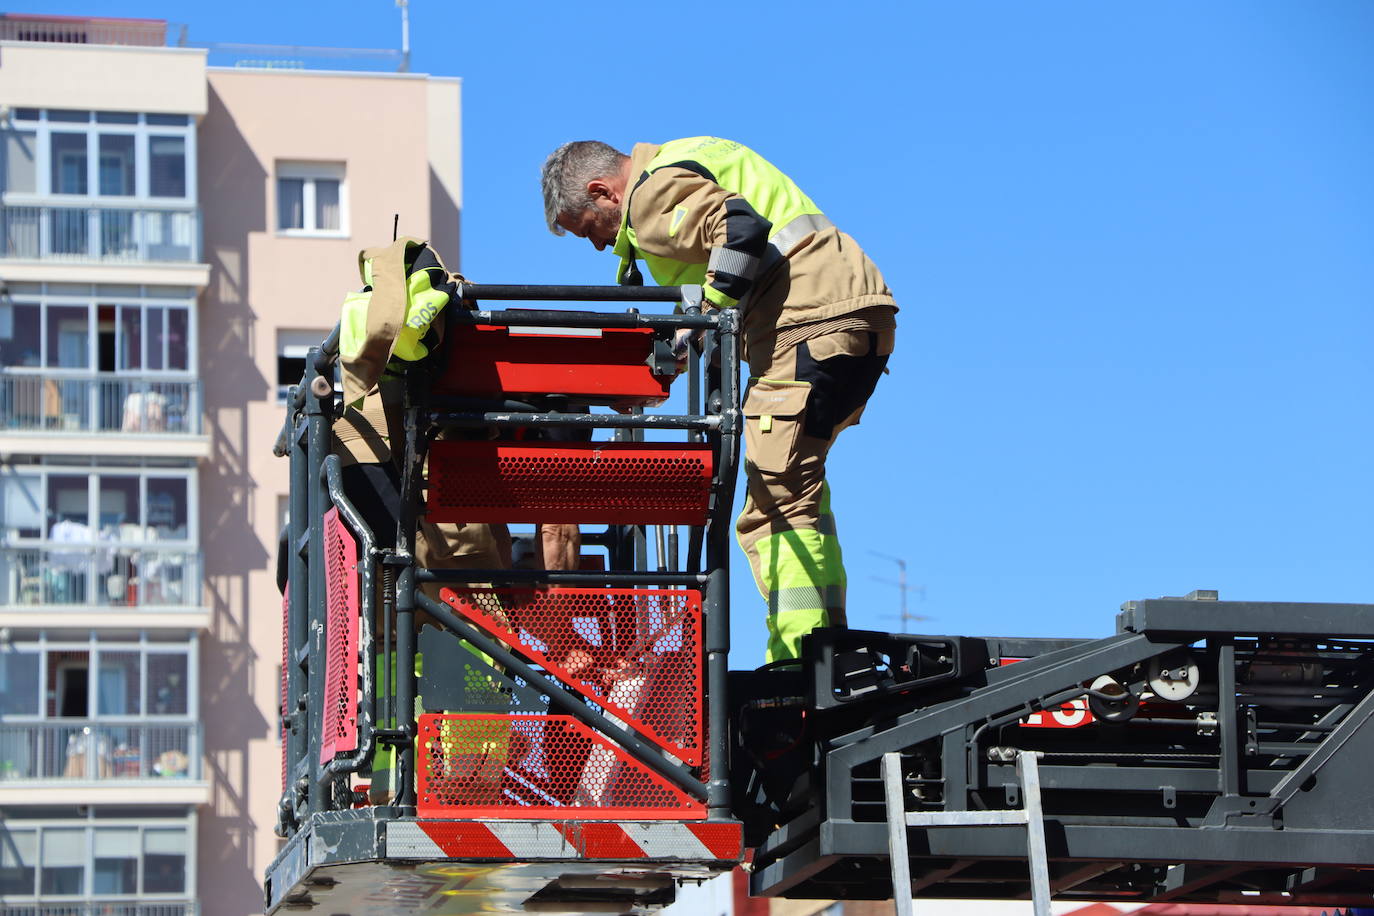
[98, 711]
[104, 358]
[99, 186]
[78, 864]
[105, 537]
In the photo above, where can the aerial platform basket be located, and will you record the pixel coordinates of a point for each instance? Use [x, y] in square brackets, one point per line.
[539, 741]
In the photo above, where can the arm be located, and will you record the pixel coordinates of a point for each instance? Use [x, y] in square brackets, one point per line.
[680, 214]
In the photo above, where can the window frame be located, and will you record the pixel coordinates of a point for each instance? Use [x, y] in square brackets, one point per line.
[89, 824]
[94, 473]
[294, 343]
[45, 647]
[310, 172]
[142, 197]
[93, 302]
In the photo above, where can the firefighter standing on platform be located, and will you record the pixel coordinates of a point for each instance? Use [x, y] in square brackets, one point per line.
[818, 326]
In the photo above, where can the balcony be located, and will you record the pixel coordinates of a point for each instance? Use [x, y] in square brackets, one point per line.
[57, 411]
[99, 750]
[84, 30]
[58, 401]
[104, 585]
[102, 908]
[100, 234]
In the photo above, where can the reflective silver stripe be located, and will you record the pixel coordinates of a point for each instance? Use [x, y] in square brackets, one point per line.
[806, 598]
[788, 236]
[730, 261]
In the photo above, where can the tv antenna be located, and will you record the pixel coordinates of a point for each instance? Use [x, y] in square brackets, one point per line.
[902, 587]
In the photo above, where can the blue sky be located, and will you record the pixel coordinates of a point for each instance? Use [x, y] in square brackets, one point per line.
[1133, 245]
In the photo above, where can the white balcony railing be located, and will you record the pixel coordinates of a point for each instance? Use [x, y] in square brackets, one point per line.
[95, 402]
[102, 908]
[103, 233]
[103, 576]
[99, 750]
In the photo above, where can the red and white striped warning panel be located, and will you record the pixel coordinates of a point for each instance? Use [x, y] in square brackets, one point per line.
[526, 840]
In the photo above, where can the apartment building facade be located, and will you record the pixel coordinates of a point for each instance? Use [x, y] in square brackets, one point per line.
[173, 236]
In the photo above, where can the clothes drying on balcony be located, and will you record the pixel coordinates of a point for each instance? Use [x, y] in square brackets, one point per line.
[68, 531]
[145, 411]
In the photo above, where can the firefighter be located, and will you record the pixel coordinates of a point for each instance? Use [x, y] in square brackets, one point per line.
[818, 325]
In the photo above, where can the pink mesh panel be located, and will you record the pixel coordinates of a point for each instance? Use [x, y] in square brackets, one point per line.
[340, 726]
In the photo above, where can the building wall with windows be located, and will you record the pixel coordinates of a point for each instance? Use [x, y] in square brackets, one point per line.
[102, 603]
[299, 170]
[172, 239]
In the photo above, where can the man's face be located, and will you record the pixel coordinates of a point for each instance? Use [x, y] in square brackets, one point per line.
[598, 224]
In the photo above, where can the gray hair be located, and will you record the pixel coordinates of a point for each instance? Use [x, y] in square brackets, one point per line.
[566, 174]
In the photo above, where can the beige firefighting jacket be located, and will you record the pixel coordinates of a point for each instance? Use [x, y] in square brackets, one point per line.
[825, 275]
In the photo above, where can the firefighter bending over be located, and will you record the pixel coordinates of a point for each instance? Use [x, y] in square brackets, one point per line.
[818, 327]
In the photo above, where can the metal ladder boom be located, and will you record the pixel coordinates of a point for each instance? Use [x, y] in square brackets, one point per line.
[1031, 816]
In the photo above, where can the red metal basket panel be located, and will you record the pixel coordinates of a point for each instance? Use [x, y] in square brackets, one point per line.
[606, 366]
[614, 483]
[340, 727]
[532, 766]
[636, 652]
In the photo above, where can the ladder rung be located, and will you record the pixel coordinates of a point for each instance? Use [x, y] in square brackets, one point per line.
[965, 818]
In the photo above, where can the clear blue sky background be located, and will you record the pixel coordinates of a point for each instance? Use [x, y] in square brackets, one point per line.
[1133, 245]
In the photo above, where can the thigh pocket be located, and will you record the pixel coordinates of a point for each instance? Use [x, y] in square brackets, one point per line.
[773, 416]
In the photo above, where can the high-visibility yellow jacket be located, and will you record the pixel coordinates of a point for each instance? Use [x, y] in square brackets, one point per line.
[395, 316]
[712, 211]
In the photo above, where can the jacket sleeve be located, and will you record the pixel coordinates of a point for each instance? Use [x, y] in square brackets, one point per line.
[679, 214]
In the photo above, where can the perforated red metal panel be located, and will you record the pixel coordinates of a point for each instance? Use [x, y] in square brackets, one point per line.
[636, 652]
[607, 366]
[530, 766]
[615, 483]
[339, 731]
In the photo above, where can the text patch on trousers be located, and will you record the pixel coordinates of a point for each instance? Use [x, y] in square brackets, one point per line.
[773, 412]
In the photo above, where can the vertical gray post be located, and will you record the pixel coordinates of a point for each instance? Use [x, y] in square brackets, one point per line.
[317, 446]
[896, 833]
[717, 604]
[1036, 859]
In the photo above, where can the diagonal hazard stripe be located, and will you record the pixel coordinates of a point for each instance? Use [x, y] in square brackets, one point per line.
[534, 839]
[725, 841]
[569, 841]
[604, 841]
[667, 841]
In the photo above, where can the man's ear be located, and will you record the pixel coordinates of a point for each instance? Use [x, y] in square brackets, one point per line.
[598, 188]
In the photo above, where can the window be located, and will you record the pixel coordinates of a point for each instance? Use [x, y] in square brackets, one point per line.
[293, 346]
[87, 856]
[167, 166]
[311, 199]
[99, 537]
[96, 679]
[120, 329]
[20, 171]
[18, 862]
[102, 154]
[131, 506]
